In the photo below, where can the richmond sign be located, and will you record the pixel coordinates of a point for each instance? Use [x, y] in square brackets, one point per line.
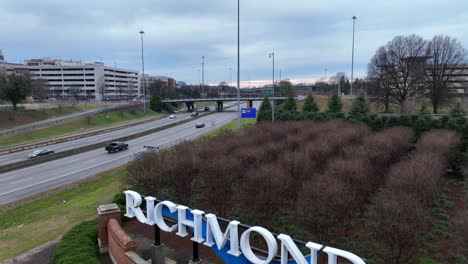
[229, 246]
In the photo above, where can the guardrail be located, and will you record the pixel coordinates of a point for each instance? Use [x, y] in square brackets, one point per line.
[71, 152]
[47, 142]
[63, 118]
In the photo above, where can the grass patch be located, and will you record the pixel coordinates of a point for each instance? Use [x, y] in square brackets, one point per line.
[43, 219]
[231, 127]
[78, 124]
[10, 118]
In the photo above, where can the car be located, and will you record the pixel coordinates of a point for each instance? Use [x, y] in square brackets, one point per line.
[176, 111]
[207, 108]
[116, 146]
[172, 117]
[199, 125]
[40, 152]
[194, 114]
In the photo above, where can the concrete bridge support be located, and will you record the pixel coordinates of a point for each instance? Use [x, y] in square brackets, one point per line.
[189, 106]
[219, 106]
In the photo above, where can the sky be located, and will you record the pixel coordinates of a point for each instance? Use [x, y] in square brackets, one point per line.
[307, 36]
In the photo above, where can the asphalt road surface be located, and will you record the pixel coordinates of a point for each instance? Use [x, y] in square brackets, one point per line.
[25, 182]
[23, 155]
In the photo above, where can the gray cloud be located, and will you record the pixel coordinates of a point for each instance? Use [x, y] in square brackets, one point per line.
[307, 36]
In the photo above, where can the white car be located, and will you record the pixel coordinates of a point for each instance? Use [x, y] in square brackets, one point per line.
[172, 117]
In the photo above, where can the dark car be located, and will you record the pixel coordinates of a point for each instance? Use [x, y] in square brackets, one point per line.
[199, 125]
[207, 108]
[116, 146]
[40, 152]
[194, 114]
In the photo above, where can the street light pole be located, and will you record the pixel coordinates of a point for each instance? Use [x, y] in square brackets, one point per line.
[143, 70]
[230, 76]
[272, 56]
[352, 58]
[203, 74]
[238, 68]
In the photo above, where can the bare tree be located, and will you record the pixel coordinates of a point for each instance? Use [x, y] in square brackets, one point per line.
[445, 55]
[379, 85]
[39, 88]
[403, 64]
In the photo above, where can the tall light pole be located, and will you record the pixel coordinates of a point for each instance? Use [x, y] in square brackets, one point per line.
[203, 74]
[272, 56]
[230, 76]
[143, 70]
[352, 58]
[238, 68]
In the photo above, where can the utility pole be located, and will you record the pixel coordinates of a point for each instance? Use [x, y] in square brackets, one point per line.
[352, 58]
[238, 68]
[272, 56]
[203, 75]
[143, 70]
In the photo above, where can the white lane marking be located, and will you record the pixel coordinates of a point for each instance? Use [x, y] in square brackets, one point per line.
[15, 182]
[110, 161]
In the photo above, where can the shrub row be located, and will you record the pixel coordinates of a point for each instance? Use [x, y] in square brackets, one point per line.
[79, 245]
[411, 188]
[332, 198]
[420, 123]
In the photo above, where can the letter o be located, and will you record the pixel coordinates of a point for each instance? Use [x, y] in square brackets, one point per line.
[247, 250]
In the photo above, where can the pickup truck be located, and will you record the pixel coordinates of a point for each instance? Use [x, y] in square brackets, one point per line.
[116, 146]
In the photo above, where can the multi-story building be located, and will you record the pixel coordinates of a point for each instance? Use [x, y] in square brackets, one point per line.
[80, 80]
[169, 82]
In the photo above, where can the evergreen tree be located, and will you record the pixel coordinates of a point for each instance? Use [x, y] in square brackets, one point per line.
[155, 103]
[310, 105]
[360, 105]
[264, 113]
[14, 88]
[456, 110]
[424, 110]
[335, 104]
[290, 104]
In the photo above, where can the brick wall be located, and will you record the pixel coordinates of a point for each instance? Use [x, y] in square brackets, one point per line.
[119, 243]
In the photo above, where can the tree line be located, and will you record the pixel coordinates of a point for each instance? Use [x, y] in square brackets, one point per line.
[408, 66]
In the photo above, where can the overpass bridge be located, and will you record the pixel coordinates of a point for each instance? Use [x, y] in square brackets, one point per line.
[190, 102]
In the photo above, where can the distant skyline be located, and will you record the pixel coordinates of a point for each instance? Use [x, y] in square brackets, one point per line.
[306, 36]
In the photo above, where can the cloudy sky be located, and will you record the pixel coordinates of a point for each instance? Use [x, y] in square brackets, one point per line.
[307, 36]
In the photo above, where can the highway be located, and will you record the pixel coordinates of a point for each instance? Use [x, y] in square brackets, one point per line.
[62, 118]
[25, 182]
[23, 155]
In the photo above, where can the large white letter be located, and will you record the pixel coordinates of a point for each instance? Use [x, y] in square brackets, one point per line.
[288, 245]
[159, 217]
[333, 253]
[232, 232]
[247, 250]
[314, 248]
[196, 224]
[149, 210]
[133, 202]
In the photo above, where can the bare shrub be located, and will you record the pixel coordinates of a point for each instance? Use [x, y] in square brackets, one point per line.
[396, 220]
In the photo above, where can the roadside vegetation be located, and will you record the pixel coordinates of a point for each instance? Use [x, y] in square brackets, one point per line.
[74, 125]
[378, 194]
[10, 118]
[34, 221]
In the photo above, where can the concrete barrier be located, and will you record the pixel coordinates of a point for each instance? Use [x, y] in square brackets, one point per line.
[71, 152]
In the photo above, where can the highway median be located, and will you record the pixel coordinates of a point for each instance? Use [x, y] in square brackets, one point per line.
[75, 151]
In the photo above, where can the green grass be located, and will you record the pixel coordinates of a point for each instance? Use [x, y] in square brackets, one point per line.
[230, 127]
[10, 119]
[45, 219]
[78, 124]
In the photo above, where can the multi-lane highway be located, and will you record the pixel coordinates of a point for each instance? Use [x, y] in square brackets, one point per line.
[24, 182]
[23, 155]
